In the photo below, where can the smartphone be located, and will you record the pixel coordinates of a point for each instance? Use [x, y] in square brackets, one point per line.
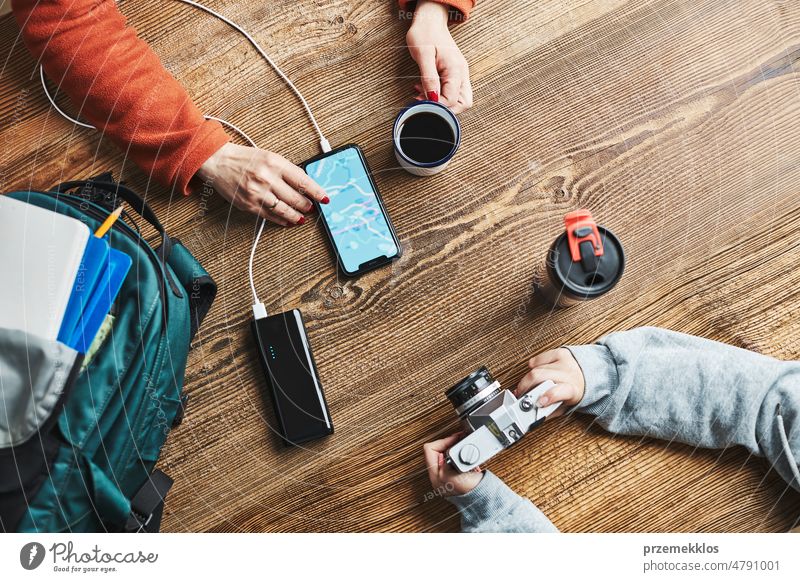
[358, 227]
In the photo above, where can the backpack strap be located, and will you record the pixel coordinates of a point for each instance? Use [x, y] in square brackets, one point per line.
[200, 287]
[111, 190]
[147, 505]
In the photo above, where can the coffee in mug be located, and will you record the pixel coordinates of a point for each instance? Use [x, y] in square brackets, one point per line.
[426, 136]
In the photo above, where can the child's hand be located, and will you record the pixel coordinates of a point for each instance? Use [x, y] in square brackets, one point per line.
[560, 367]
[443, 69]
[445, 480]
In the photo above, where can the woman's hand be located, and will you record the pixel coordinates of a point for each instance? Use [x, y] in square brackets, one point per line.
[445, 480]
[261, 182]
[561, 367]
[443, 69]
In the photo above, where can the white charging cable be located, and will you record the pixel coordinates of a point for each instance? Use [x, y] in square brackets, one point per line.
[259, 310]
[324, 144]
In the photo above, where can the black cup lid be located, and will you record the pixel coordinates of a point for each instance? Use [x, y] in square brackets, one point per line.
[591, 276]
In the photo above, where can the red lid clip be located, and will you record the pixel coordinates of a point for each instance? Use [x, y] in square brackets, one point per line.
[581, 227]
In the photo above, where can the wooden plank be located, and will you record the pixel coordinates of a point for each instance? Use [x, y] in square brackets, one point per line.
[673, 120]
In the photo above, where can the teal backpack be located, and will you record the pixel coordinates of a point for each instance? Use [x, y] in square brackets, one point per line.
[90, 464]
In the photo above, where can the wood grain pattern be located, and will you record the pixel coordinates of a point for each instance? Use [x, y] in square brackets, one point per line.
[674, 121]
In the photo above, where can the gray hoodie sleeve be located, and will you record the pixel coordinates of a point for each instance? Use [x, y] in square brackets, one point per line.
[668, 385]
[493, 507]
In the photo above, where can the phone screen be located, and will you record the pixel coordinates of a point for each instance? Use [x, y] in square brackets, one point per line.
[359, 229]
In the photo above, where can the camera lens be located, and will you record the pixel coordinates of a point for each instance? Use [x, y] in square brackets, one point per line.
[472, 392]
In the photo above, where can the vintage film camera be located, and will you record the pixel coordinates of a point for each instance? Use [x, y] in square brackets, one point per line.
[492, 416]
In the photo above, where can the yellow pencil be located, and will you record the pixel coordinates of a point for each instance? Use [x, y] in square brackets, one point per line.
[108, 222]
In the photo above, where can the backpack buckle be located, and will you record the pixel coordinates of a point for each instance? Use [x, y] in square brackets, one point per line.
[147, 506]
[105, 198]
[140, 522]
[181, 412]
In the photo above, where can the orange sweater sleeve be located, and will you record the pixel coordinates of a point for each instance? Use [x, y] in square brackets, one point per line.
[463, 6]
[119, 85]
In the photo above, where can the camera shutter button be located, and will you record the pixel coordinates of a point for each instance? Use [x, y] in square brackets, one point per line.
[469, 454]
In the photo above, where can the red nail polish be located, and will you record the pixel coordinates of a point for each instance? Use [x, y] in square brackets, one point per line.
[301, 221]
[433, 96]
[325, 200]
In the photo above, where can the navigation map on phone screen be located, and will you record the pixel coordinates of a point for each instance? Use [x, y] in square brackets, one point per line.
[358, 227]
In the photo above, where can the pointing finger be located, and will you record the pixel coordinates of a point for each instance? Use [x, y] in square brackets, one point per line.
[303, 183]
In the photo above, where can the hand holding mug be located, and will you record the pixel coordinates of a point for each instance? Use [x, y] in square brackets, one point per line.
[444, 73]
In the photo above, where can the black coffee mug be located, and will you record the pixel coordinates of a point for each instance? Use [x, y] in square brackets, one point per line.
[426, 136]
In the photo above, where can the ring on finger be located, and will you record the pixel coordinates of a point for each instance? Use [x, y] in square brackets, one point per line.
[274, 204]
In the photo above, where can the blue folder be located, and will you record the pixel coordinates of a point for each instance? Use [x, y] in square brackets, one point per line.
[117, 265]
[91, 267]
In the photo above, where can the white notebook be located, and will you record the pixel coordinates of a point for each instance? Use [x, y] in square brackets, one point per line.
[40, 253]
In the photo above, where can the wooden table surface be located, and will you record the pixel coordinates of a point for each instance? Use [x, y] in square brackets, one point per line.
[675, 122]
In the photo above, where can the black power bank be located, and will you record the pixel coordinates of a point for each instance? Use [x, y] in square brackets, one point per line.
[291, 374]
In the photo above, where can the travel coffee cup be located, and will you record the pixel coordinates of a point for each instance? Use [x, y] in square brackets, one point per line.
[584, 262]
[426, 136]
